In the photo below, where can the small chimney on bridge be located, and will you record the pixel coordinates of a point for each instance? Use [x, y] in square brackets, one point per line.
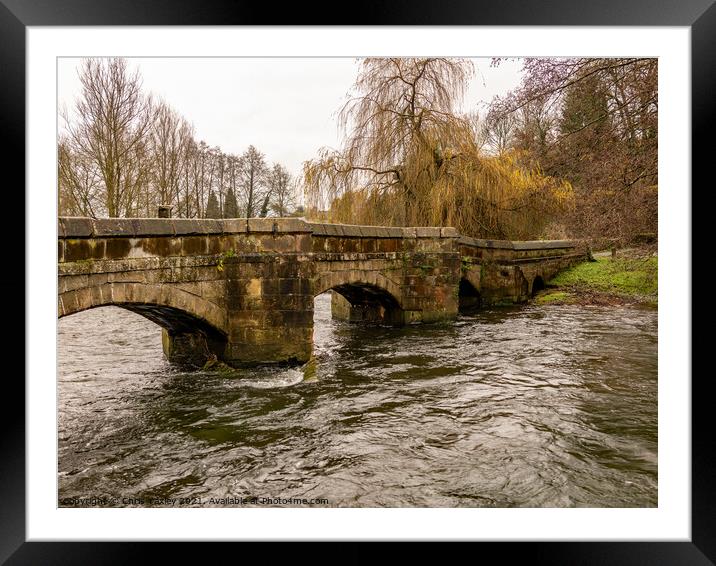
[164, 211]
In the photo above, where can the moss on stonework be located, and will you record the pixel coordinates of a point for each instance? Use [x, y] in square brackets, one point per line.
[554, 297]
[228, 254]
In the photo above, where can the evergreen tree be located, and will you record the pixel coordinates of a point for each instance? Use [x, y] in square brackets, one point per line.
[265, 206]
[584, 126]
[585, 109]
[231, 208]
[212, 206]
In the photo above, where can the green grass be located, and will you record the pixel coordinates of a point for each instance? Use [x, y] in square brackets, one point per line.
[554, 297]
[634, 277]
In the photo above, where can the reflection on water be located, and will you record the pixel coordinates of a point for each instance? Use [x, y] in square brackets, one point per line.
[536, 406]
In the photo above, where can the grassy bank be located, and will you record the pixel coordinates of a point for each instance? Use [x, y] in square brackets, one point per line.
[606, 281]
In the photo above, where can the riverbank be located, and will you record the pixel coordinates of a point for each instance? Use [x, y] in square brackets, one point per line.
[629, 278]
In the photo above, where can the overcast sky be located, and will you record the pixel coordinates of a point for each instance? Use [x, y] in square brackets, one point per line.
[285, 107]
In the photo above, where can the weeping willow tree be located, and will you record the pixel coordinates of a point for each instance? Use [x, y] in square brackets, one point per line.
[409, 159]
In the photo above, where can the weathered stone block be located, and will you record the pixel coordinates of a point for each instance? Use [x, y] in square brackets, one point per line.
[84, 250]
[161, 246]
[279, 244]
[544, 245]
[306, 286]
[242, 319]
[335, 230]
[303, 243]
[253, 288]
[288, 286]
[234, 225]
[387, 245]
[292, 225]
[117, 248]
[152, 227]
[369, 245]
[263, 225]
[368, 231]
[196, 226]
[110, 227]
[269, 286]
[287, 269]
[318, 229]
[194, 245]
[69, 302]
[350, 231]
[72, 282]
[152, 294]
[71, 227]
[219, 244]
[427, 232]
[84, 298]
[97, 279]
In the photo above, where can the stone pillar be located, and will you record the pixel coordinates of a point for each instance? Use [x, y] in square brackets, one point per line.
[164, 211]
[190, 348]
[431, 274]
[269, 297]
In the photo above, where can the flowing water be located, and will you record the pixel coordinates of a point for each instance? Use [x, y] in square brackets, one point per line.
[532, 406]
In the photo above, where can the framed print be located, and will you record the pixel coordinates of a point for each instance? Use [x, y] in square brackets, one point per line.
[484, 433]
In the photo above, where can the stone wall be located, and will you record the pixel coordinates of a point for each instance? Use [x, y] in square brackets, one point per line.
[503, 272]
[242, 290]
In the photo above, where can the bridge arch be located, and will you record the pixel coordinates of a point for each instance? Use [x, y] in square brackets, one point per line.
[149, 300]
[193, 328]
[469, 297]
[348, 279]
[537, 285]
[365, 296]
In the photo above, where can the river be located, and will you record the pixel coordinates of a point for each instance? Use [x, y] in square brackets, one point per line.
[531, 406]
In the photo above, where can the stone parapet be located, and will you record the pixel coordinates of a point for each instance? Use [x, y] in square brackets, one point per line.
[357, 231]
[74, 228]
[544, 244]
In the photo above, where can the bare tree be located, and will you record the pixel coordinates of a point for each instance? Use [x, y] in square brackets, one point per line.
[170, 136]
[252, 176]
[79, 183]
[205, 175]
[282, 190]
[186, 204]
[111, 126]
[498, 131]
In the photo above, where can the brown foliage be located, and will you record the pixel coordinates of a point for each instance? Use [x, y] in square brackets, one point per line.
[409, 159]
[593, 122]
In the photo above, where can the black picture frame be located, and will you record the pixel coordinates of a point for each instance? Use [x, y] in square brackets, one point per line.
[17, 15]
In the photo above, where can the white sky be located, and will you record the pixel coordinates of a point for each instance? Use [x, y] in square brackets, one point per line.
[286, 107]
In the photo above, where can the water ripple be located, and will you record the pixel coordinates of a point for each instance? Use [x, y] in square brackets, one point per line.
[520, 407]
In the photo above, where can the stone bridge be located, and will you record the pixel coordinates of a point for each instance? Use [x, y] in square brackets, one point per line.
[243, 290]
